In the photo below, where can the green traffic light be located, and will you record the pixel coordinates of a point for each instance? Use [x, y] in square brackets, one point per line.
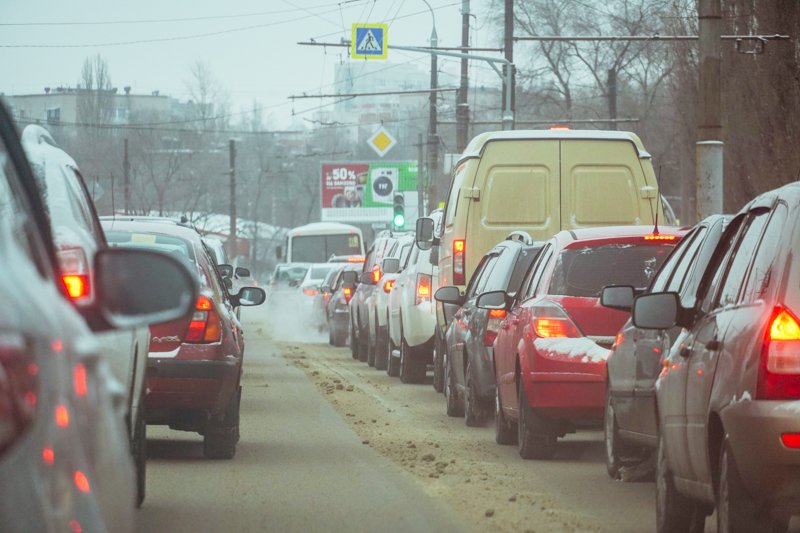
[399, 220]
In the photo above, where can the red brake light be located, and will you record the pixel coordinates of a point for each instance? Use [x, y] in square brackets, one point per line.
[551, 321]
[205, 325]
[376, 275]
[74, 272]
[355, 259]
[497, 313]
[559, 128]
[791, 440]
[310, 292]
[658, 237]
[779, 376]
[459, 253]
[387, 286]
[423, 293]
[348, 293]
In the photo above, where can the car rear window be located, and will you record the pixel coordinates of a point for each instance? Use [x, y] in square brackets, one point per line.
[295, 273]
[319, 272]
[152, 241]
[584, 271]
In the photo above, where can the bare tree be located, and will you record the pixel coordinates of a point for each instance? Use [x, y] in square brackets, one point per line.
[95, 96]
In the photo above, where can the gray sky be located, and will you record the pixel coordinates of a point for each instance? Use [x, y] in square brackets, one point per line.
[262, 62]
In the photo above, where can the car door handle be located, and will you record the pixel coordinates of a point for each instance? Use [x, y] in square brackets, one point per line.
[714, 345]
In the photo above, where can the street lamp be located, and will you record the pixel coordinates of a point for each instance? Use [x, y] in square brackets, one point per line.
[433, 137]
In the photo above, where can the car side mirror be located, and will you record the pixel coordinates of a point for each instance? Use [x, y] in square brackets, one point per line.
[493, 300]
[249, 296]
[656, 311]
[391, 265]
[242, 272]
[279, 252]
[226, 271]
[139, 287]
[424, 233]
[449, 295]
[325, 288]
[619, 297]
[350, 277]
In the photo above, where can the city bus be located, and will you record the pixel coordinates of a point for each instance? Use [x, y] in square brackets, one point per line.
[319, 241]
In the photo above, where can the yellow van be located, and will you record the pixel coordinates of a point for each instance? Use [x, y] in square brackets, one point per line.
[541, 182]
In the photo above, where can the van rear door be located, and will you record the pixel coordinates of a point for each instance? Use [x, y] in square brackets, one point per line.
[603, 183]
[519, 191]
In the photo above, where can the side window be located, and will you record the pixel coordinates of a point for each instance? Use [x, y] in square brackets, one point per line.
[454, 198]
[688, 259]
[760, 273]
[482, 284]
[476, 277]
[664, 274]
[737, 266]
[83, 202]
[412, 258]
[405, 251]
[537, 271]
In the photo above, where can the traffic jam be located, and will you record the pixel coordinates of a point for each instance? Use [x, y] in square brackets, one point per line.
[532, 324]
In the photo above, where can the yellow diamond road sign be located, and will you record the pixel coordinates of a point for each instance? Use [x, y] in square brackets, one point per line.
[381, 141]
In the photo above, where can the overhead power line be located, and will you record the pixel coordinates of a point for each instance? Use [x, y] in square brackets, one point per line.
[382, 93]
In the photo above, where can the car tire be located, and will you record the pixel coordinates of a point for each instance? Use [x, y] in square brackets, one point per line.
[535, 440]
[675, 513]
[474, 409]
[412, 366]
[353, 341]
[371, 345]
[454, 404]
[220, 438]
[393, 363]
[736, 510]
[363, 344]
[338, 337]
[139, 452]
[380, 345]
[438, 358]
[618, 452]
[330, 336]
[505, 430]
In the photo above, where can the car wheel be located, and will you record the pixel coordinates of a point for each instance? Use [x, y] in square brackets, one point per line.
[505, 430]
[412, 367]
[675, 513]
[474, 410]
[534, 439]
[353, 341]
[330, 336]
[363, 343]
[455, 407]
[139, 452]
[380, 345]
[736, 510]
[618, 452]
[393, 363]
[219, 441]
[438, 367]
[371, 343]
[337, 336]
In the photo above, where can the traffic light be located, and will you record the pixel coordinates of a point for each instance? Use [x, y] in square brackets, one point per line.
[399, 210]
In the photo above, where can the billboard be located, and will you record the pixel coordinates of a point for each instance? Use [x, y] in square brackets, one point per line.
[363, 192]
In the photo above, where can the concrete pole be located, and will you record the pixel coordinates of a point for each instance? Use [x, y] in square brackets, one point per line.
[462, 105]
[126, 173]
[433, 134]
[709, 184]
[509, 93]
[232, 251]
[420, 177]
[612, 98]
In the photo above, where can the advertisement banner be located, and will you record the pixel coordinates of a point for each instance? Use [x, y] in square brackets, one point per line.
[364, 192]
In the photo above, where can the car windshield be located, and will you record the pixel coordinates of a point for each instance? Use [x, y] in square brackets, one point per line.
[584, 271]
[318, 248]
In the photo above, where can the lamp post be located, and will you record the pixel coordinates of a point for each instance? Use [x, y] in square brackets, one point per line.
[433, 134]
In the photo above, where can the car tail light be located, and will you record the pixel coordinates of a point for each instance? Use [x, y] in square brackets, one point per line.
[551, 321]
[205, 325]
[659, 237]
[74, 272]
[310, 291]
[496, 316]
[779, 376]
[359, 259]
[376, 275]
[791, 440]
[18, 389]
[459, 251]
[387, 286]
[423, 292]
[348, 293]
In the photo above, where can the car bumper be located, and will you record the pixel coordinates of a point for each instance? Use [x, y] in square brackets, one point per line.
[191, 384]
[769, 470]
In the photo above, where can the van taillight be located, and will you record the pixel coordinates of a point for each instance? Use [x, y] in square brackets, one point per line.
[376, 275]
[496, 317]
[18, 388]
[779, 375]
[423, 292]
[74, 272]
[459, 251]
[348, 293]
[388, 285]
[205, 325]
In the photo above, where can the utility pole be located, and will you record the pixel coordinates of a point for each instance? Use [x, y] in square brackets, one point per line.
[462, 105]
[433, 135]
[126, 173]
[421, 212]
[508, 49]
[232, 248]
[612, 98]
[709, 147]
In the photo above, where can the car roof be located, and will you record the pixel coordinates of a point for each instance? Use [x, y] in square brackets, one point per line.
[156, 226]
[567, 238]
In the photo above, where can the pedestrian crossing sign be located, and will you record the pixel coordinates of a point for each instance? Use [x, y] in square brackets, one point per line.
[369, 41]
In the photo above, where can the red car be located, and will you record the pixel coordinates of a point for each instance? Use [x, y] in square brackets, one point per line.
[551, 350]
[194, 365]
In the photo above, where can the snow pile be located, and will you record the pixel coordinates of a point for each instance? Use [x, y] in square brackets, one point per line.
[578, 348]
